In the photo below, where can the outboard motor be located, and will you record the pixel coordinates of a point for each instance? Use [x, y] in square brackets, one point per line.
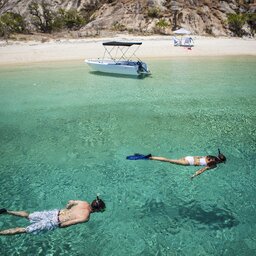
[140, 67]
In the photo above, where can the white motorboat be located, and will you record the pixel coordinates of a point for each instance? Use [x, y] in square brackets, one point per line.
[120, 63]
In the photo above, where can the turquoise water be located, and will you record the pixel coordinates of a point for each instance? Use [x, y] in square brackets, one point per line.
[65, 133]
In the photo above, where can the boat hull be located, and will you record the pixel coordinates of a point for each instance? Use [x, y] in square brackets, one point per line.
[121, 67]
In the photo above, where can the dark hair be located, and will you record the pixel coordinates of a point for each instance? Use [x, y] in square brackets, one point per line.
[221, 157]
[213, 160]
[98, 205]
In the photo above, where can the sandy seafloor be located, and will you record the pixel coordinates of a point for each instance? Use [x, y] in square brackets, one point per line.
[65, 132]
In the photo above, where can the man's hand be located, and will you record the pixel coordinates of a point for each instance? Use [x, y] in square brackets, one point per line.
[70, 204]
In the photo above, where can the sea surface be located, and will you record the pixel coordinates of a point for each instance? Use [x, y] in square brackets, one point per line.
[65, 133]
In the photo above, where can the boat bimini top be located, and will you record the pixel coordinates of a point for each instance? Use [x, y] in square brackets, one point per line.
[119, 50]
[115, 43]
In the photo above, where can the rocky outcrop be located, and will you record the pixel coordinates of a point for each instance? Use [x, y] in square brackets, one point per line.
[202, 17]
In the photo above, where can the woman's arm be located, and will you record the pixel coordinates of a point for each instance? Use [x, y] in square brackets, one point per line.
[201, 171]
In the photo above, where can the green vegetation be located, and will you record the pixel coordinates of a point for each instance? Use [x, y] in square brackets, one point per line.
[48, 21]
[236, 23]
[11, 23]
[70, 19]
[116, 26]
[161, 25]
[154, 12]
[251, 20]
[44, 19]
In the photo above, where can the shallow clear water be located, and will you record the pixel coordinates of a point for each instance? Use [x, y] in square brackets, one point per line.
[65, 133]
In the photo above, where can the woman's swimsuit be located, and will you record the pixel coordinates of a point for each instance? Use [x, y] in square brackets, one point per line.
[202, 160]
[190, 159]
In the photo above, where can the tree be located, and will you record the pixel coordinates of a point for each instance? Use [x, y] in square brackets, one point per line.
[43, 17]
[47, 21]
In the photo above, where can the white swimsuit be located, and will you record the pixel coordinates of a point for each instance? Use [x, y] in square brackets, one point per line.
[203, 161]
[191, 161]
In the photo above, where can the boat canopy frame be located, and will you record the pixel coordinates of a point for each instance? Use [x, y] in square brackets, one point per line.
[121, 47]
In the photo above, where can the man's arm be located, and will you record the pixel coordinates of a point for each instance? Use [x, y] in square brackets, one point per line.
[71, 203]
[73, 222]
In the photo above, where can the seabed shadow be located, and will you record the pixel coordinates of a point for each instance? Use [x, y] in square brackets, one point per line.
[208, 216]
[97, 73]
[213, 217]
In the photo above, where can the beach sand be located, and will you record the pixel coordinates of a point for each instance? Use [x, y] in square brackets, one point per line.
[152, 47]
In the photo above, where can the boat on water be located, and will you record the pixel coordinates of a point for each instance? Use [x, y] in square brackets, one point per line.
[121, 63]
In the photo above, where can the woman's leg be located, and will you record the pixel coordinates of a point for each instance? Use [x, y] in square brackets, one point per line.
[181, 161]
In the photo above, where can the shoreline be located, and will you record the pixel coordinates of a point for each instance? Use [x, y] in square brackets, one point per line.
[153, 47]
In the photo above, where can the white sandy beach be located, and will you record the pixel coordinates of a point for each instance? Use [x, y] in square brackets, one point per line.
[152, 47]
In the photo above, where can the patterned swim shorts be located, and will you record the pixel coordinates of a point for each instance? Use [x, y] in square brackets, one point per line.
[43, 221]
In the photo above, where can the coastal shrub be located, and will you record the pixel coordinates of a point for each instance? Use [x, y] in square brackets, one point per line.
[11, 23]
[236, 23]
[251, 21]
[70, 19]
[208, 30]
[116, 26]
[154, 12]
[161, 25]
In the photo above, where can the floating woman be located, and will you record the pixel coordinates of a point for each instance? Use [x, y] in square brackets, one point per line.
[209, 162]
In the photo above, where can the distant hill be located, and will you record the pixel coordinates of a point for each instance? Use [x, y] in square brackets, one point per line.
[103, 17]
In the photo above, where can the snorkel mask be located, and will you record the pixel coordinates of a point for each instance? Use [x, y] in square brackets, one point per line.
[98, 205]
